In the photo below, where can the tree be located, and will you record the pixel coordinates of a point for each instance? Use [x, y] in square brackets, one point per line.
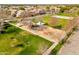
[1, 26]
[62, 9]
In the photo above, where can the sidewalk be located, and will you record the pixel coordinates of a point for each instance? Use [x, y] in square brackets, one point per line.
[72, 45]
[62, 17]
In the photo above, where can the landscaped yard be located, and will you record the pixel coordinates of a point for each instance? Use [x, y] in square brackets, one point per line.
[67, 14]
[55, 23]
[17, 41]
[46, 18]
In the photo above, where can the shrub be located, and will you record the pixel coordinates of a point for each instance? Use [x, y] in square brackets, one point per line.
[19, 45]
[58, 27]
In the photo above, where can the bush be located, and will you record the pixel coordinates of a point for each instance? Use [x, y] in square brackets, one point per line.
[58, 27]
[2, 32]
[6, 26]
[21, 8]
[10, 30]
[19, 45]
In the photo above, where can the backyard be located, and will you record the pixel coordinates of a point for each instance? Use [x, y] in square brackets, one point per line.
[17, 41]
[57, 23]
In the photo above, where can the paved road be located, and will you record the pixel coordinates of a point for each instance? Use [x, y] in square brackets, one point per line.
[72, 45]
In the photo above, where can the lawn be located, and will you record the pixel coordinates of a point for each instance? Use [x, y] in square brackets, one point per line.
[61, 23]
[15, 41]
[70, 15]
[46, 18]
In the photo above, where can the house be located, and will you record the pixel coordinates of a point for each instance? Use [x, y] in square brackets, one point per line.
[13, 12]
[54, 10]
[42, 11]
[20, 13]
[4, 13]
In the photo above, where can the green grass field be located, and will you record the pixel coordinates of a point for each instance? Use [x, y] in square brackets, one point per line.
[70, 15]
[60, 22]
[46, 18]
[16, 41]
